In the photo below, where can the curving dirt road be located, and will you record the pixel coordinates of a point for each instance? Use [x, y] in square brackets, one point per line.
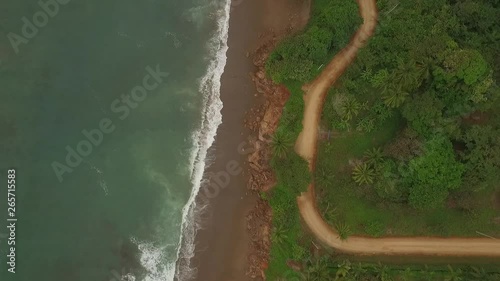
[306, 147]
[317, 89]
[393, 245]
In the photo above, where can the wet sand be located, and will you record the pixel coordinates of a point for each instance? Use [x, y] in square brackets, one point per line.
[222, 245]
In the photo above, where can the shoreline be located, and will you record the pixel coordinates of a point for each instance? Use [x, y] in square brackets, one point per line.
[204, 139]
[233, 242]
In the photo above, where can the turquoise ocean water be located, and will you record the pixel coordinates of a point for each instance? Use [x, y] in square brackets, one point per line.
[107, 111]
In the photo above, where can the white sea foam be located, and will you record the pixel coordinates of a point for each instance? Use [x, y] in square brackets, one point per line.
[203, 139]
[197, 15]
[152, 257]
[153, 260]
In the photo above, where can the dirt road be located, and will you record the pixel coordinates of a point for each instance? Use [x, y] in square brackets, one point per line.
[317, 90]
[393, 245]
[306, 147]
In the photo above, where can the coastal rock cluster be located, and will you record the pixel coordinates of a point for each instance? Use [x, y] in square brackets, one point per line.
[262, 121]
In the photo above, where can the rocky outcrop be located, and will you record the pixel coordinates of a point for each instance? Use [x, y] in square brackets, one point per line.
[262, 121]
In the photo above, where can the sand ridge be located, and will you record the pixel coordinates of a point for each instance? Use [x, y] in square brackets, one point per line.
[306, 146]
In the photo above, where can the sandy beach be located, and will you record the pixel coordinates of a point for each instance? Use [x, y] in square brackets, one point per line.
[224, 244]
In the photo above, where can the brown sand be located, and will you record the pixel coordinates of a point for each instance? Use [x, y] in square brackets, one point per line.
[306, 147]
[224, 244]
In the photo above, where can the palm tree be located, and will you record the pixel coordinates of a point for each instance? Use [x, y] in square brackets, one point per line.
[374, 156]
[406, 275]
[406, 76]
[383, 272]
[426, 271]
[344, 125]
[343, 230]
[364, 106]
[393, 97]
[366, 124]
[330, 214]
[424, 68]
[363, 174]
[343, 270]
[350, 108]
[323, 177]
[454, 275]
[281, 143]
[279, 234]
[358, 271]
[366, 74]
[379, 79]
[317, 270]
[479, 274]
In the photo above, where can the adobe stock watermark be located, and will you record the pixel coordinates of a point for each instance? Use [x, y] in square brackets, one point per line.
[30, 28]
[122, 107]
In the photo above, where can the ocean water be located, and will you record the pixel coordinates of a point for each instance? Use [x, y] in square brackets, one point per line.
[107, 111]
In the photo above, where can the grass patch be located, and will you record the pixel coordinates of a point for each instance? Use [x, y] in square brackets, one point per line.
[367, 214]
[293, 178]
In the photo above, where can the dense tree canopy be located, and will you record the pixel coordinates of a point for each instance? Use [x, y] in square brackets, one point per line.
[482, 156]
[434, 62]
[299, 57]
[433, 174]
